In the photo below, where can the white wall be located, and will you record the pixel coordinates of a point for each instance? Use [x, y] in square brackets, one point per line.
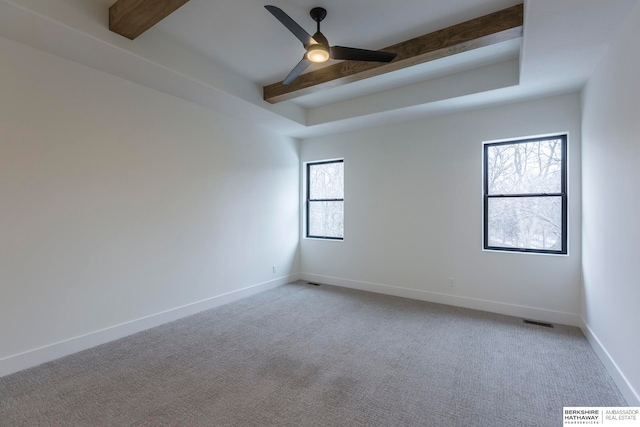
[120, 202]
[413, 214]
[611, 198]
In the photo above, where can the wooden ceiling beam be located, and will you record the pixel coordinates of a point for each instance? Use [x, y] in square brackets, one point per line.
[130, 18]
[484, 31]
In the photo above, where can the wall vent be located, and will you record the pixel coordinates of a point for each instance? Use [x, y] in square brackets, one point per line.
[537, 323]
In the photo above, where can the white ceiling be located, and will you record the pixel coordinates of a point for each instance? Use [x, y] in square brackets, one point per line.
[244, 36]
[220, 54]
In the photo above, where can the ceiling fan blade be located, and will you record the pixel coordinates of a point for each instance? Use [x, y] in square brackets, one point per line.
[292, 26]
[297, 70]
[354, 54]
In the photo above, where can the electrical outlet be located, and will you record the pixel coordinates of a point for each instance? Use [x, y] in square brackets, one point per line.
[451, 285]
[275, 268]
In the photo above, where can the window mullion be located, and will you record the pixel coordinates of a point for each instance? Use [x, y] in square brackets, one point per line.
[526, 195]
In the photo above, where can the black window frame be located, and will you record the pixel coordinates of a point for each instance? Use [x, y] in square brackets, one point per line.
[309, 199]
[563, 194]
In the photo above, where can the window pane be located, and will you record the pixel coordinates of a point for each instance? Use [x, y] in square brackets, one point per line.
[326, 181]
[525, 223]
[326, 219]
[528, 167]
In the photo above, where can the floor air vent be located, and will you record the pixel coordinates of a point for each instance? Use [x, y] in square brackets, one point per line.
[314, 284]
[535, 322]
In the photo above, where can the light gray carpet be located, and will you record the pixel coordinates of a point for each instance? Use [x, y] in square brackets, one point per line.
[301, 355]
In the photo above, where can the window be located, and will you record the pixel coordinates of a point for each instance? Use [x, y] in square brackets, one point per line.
[325, 199]
[525, 195]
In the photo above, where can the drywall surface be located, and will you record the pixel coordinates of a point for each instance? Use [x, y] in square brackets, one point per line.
[611, 197]
[120, 202]
[413, 213]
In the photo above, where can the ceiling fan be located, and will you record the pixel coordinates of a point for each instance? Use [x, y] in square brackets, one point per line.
[317, 47]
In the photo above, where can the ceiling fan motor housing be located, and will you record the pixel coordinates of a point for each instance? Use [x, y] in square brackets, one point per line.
[318, 14]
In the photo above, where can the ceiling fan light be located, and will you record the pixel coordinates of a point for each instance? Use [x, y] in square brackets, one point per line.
[317, 53]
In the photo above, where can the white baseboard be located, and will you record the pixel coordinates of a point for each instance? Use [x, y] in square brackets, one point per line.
[630, 394]
[455, 300]
[47, 353]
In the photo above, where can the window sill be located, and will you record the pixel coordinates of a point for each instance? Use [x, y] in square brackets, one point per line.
[323, 240]
[522, 252]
